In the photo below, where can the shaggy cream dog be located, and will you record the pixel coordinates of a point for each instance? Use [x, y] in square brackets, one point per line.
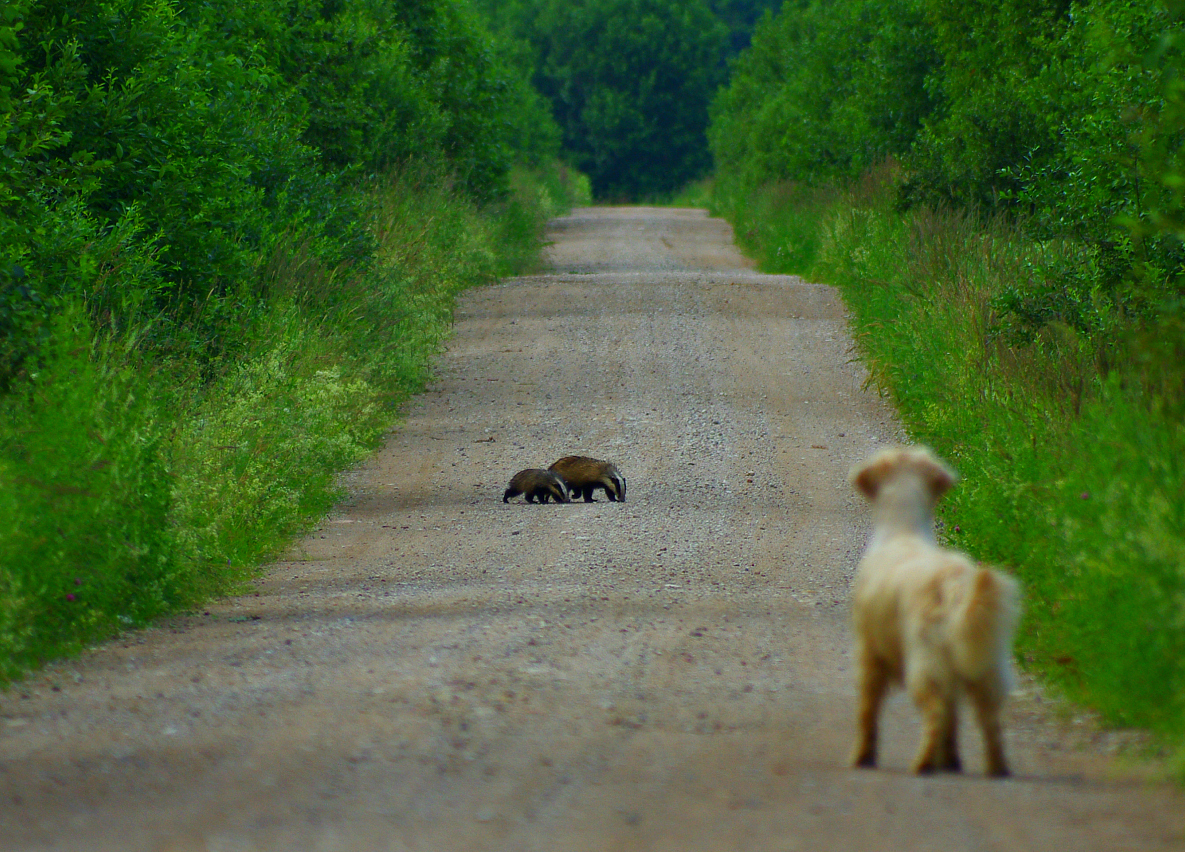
[926, 617]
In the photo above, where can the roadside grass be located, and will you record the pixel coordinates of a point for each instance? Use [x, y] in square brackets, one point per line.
[697, 193]
[132, 488]
[776, 224]
[1071, 445]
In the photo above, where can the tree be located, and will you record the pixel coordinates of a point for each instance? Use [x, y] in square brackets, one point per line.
[155, 153]
[741, 16]
[629, 82]
[825, 90]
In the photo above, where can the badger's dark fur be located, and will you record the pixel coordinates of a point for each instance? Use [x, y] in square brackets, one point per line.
[535, 482]
[584, 475]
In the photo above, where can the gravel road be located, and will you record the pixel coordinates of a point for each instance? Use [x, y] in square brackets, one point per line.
[433, 669]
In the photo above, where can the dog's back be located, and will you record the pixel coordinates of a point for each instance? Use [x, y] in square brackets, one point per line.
[913, 596]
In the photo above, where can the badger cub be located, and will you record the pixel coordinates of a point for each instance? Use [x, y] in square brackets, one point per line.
[535, 482]
[584, 475]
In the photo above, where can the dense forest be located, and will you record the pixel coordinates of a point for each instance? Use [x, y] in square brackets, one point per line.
[230, 233]
[998, 188]
[161, 150]
[629, 81]
[1066, 114]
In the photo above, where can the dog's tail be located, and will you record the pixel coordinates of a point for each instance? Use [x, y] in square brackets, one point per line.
[984, 628]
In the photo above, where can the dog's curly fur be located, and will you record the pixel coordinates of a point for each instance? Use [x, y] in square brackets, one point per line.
[926, 617]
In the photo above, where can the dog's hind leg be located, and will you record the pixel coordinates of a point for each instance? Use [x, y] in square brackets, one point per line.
[874, 683]
[987, 696]
[938, 728]
[952, 762]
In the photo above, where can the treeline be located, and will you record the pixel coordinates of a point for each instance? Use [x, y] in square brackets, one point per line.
[1067, 116]
[998, 188]
[157, 153]
[230, 234]
[630, 81]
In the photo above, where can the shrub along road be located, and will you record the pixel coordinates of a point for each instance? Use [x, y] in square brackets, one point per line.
[433, 669]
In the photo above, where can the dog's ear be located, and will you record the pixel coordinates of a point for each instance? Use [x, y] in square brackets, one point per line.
[939, 478]
[867, 478]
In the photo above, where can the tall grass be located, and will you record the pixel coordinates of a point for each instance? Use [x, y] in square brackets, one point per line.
[132, 487]
[777, 224]
[1071, 446]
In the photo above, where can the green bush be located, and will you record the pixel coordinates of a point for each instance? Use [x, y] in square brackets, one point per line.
[81, 445]
[777, 223]
[1064, 117]
[628, 82]
[825, 91]
[132, 487]
[196, 138]
[230, 236]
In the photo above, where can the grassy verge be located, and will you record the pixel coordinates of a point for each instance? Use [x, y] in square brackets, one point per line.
[133, 488]
[1071, 444]
[697, 193]
[776, 224]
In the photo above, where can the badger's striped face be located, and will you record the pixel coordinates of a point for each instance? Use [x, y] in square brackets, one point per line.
[618, 485]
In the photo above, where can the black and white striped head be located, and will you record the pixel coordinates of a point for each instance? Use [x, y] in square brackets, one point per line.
[618, 484]
[561, 492]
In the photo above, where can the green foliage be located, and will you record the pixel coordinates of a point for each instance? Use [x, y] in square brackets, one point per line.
[1159, 125]
[257, 456]
[697, 194]
[130, 489]
[988, 124]
[628, 82]
[1054, 109]
[1064, 116]
[131, 180]
[538, 197]
[80, 446]
[385, 82]
[1071, 118]
[740, 17]
[825, 90]
[156, 153]
[779, 223]
[230, 234]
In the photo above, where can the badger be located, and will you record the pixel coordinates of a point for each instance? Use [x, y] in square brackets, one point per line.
[584, 475]
[535, 482]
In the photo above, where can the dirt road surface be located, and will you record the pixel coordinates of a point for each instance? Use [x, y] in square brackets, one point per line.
[435, 670]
